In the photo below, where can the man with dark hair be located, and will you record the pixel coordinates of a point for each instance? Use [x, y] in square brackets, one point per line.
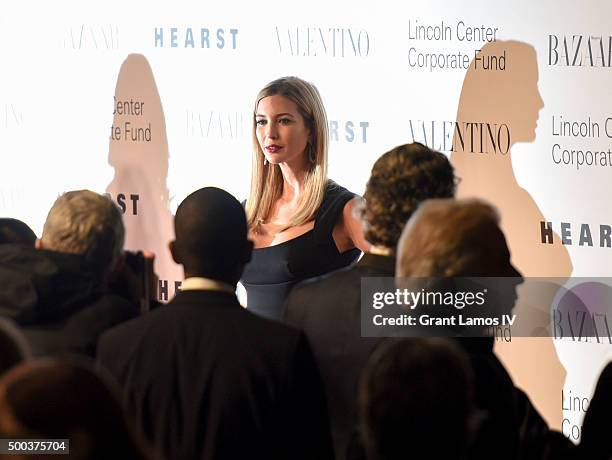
[14, 231]
[207, 378]
[328, 308]
[57, 291]
[415, 400]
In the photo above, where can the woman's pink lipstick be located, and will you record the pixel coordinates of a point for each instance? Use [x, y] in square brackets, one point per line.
[273, 148]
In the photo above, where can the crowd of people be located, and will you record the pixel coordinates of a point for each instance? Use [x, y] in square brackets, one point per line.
[290, 375]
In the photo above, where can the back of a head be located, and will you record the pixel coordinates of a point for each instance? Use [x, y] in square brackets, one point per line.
[211, 235]
[14, 348]
[67, 400]
[447, 238]
[86, 223]
[415, 400]
[14, 231]
[400, 180]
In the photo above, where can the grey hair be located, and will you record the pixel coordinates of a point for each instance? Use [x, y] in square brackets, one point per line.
[84, 222]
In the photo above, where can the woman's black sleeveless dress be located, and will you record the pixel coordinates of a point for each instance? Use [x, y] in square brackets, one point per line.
[272, 271]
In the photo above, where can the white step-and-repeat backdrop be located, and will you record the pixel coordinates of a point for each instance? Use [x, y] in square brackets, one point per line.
[148, 101]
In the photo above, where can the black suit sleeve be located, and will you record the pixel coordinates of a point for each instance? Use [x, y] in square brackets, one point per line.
[296, 306]
[309, 436]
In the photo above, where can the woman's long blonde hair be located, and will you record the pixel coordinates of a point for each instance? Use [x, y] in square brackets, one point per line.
[267, 180]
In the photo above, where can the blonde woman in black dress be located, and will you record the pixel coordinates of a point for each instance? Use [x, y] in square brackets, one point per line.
[302, 224]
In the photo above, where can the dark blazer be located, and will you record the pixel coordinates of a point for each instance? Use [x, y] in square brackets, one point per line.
[328, 309]
[209, 380]
[58, 300]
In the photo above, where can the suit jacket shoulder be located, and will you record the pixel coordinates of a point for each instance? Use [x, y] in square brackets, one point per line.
[209, 379]
[335, 293]
[328, 310]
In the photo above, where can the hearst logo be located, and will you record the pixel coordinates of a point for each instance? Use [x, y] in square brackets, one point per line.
[196, 38]
[333, 42]
[580, 50]
[351, 131]
[572, 234]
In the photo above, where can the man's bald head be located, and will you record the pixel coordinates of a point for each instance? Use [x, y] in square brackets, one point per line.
[211, 235]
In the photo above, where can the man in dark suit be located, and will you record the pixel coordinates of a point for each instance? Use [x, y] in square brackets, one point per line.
[328, 308]
[207, 378]
[57, 290]
[459, 239]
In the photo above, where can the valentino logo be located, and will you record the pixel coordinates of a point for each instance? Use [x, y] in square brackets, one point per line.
[334, 42]
[469, 137]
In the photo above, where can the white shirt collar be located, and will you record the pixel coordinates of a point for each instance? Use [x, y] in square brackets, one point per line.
[197, 283]
[381, 251]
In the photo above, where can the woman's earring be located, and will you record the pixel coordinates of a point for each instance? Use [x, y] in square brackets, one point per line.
[265, 161]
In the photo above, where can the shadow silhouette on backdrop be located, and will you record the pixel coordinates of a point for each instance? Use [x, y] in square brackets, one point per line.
[138, 152]
[499, 107]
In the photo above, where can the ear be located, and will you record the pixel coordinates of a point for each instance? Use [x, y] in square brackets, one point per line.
[38, 244]
[174, 252]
